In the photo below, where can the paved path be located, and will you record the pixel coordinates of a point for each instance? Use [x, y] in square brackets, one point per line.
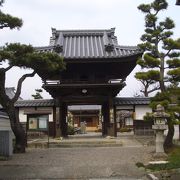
[76, 163]
[79, 163]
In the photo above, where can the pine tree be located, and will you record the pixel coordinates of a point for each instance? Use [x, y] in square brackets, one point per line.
[26, 57]
[161, 55]
[8, 21]
[38, 94]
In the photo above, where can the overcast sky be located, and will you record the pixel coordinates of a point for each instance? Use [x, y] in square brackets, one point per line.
[40, 15]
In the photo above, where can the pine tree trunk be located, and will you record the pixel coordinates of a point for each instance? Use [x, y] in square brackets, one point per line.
[168, 143]
[17, 129]
[179, 132]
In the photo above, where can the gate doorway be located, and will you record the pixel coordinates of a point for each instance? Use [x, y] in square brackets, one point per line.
[88, 116]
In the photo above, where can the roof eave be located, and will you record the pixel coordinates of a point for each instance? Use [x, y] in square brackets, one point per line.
[178, 2]
[104, 59]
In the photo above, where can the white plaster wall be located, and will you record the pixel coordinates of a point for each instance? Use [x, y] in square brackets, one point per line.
[23, 116]
[176, 132]
[141, 110]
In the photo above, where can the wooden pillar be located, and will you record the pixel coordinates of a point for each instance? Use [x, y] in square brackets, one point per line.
[179, 132]
[115, 122]
[106, 122]
[62, 119]
[112, 129]
[54, 121]
[103, 124]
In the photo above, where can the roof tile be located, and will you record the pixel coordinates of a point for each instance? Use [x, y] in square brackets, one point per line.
[80, 44]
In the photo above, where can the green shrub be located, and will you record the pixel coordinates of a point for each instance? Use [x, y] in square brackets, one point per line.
[70, 130]
[125, 129]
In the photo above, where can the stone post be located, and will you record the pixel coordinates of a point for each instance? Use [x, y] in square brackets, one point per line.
[159, 126]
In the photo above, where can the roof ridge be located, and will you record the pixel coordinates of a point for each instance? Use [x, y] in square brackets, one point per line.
[34, 100]
[84, 30]
[132, 97]
[127, 47]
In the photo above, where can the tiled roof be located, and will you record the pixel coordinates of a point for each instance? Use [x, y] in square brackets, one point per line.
[50, 103]
[10, 91]
[35, 103]
[131, 101]
[3, 114]
[87, 44]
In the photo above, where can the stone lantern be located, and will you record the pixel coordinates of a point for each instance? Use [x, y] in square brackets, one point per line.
[160, 118]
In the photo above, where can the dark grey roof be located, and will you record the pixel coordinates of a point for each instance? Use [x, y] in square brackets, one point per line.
[131, 101]
[51, 102]
[10, 91]
[177, 2]
[87, 44]
[3, 114]
[35, 103]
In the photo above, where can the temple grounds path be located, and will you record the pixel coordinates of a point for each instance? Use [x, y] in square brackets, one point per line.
[80, 162]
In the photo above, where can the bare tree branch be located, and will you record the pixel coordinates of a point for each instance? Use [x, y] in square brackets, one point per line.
[167, 53]
[154, 89]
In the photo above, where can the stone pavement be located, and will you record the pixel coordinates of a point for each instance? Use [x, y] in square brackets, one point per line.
[80, 163]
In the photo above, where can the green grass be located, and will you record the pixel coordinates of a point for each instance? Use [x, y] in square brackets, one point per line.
[173, 158]
[139, 164]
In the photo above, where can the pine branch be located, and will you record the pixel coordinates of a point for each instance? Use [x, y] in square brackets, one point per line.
[19, 85]
[8, 68]
[168, 52]
[154, 89]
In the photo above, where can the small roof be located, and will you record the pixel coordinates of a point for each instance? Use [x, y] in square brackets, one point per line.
[131, 101]
[10, 91]
[51, 102]
[3, 115]
[88, 44]
[35, 103]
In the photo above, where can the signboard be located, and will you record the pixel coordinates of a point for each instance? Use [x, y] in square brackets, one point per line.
[112, 115]
[33, 124]
[42, 123]
[38, 123]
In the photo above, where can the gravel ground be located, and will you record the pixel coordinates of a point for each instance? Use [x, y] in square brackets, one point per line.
[77, 163]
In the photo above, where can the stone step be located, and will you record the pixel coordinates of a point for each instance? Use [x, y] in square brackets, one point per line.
[85, 144]
[82, 145]
[71, 143]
